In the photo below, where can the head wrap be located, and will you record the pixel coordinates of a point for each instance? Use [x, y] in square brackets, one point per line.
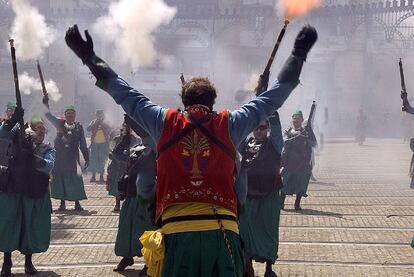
[36, 120]
[11, 104]
[70, 108]
[298, 113]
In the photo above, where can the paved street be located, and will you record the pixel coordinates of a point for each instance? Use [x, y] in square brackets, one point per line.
[357, 221]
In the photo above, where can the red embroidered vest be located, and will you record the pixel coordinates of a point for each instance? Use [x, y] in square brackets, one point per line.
[194, 169]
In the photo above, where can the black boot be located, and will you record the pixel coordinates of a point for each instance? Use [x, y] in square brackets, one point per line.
[117, 207]
[62, 206]
[78, 206]
[297, 203]
[143, 271]
[93, 178]
[28, 265]
[124, 263]
[269, 271]
[7, 264]
[101, 179]
[282, 200]
[249, 272]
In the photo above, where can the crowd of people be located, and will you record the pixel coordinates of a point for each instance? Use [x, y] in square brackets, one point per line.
[202, 190]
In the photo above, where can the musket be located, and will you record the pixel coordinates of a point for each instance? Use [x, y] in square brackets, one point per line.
[276, 47]
[311, 115]
[263, 86]
[403, 88]
[16, 84]
[42, 80]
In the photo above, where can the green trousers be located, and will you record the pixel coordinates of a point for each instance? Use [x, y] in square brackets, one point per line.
[68, 187]
[113, 185]
[296, 183]
[259, 227]
[133, 222]
[203, 254]
[99, 156]
[25, 223]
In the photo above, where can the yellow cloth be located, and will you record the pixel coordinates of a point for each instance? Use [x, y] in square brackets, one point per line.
[153, 251]
[153, 248]
[99, 137]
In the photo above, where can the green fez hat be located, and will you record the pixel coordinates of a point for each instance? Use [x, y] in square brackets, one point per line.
[298, 113]
[99, 112]
[70, 108]
[11, 105]
[36, 120]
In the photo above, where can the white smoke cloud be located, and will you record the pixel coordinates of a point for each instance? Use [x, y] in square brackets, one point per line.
[130, 24]
[30, 31]
[28, 84]
[251, 83]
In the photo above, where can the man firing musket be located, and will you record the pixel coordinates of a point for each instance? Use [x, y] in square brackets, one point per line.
[406, 107]
[67, 182]
[202, 143]
[24, 197]
[297, 157]
[260, 168]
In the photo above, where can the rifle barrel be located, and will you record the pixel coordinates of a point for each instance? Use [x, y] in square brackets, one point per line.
[312, 113]
[276, 47]
[402, 76]
[16, 82]
[42, 80]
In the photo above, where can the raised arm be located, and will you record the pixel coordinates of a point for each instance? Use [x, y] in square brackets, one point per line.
[135, 104]
[276, 136]
[244, 120]
[56, 122]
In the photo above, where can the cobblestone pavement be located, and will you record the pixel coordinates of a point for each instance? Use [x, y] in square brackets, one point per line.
[357, 221]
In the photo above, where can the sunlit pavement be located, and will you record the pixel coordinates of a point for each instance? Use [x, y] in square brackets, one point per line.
[357, 221]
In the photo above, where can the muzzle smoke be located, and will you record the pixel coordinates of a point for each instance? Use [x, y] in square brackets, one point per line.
[291, 9]
[30, 31]
[130, 24]
[28, 84]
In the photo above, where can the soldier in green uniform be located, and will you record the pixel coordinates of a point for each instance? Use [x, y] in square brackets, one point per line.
[67, 182]
[99, 145]
[25, 207]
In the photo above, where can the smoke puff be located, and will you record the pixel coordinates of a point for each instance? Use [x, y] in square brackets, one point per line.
[291, 9]
[251, 84]
[28, 84]
[130, 24]
[30, 31]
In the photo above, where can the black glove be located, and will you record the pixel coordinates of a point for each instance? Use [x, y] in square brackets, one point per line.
[305, 39]
[262, 83]
[45, 100]
[404, 98]
[83, 49]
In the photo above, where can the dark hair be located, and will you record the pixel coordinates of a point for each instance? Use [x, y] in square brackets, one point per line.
[198, 90]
